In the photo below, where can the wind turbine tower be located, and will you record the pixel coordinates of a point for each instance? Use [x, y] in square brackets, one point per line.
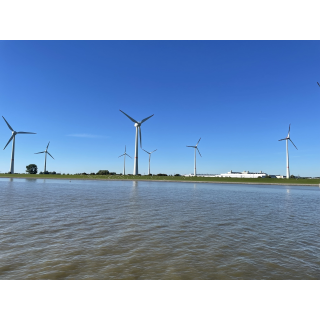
[13, 138]
[124, 163]
[149, 158]
[195, 160]
[288, 138]
[45, 157]
[137, 124]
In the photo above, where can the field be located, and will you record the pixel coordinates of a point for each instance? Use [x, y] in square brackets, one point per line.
[313, 182]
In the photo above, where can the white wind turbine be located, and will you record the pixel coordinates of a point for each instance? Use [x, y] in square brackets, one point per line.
[288, 138]
[149, 158]
[13, 138]
[137, 124]
[195, 148]
[45, 157]
[124, 164]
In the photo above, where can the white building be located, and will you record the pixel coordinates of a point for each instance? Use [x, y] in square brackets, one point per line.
[231, 174]
[244, 174]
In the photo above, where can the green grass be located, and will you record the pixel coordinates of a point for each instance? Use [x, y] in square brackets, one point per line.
[159, 178]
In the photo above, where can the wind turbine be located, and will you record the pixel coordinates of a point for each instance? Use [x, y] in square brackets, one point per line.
[45, 157]
[288, 138]
[195, 148]
[149, 158]
[13, 138]
[124, 164]
[137, 124]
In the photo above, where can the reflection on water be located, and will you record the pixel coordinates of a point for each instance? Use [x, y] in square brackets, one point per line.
[54, 229]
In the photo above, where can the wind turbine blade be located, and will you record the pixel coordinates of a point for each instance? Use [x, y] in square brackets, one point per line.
[121, 155]
[129, 156]
[8, 142]
[154, 151]
[40, 152]
[283, 139]
[125, 149]
[26, 132]
[50, 155]
[146, 119]
[198, 142]
[191, 146]
[199, 153]
[7, 123]
[146, 151]
[135, 121]
[48, 145]
[140, 137]
[318, 84]
[293, 143]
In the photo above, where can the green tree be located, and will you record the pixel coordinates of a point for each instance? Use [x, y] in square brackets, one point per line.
[32, 169]
[103, 172]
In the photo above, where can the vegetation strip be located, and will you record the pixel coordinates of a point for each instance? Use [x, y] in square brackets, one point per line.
[260, 181]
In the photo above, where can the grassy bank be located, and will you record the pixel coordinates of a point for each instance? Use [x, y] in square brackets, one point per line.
[168, 178]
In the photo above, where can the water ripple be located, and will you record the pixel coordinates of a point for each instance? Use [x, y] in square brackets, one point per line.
[51, 229]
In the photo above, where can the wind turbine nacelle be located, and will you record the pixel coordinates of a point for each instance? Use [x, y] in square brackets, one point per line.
[137, 124]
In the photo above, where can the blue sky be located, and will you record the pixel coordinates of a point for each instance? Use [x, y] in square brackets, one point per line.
[238, 96]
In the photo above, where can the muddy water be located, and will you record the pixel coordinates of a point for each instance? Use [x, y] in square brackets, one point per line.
[56, 229]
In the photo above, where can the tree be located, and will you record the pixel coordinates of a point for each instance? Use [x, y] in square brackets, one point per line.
[103, 172]
[32, 169]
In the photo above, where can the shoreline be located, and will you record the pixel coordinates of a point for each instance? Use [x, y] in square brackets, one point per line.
[183, 181]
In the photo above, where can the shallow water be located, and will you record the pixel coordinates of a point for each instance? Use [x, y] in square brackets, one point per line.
[56, 229]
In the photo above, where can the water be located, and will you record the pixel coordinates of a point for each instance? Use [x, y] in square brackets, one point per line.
[56, 229]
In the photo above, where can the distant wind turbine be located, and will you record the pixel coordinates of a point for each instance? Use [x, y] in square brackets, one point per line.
[45, 157]
[149, 158]
[288, 138]
[137, 124]
[13, 138]
[124, 164]
[195, 148]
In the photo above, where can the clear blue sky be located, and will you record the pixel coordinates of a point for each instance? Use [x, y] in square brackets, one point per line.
[238, 96]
